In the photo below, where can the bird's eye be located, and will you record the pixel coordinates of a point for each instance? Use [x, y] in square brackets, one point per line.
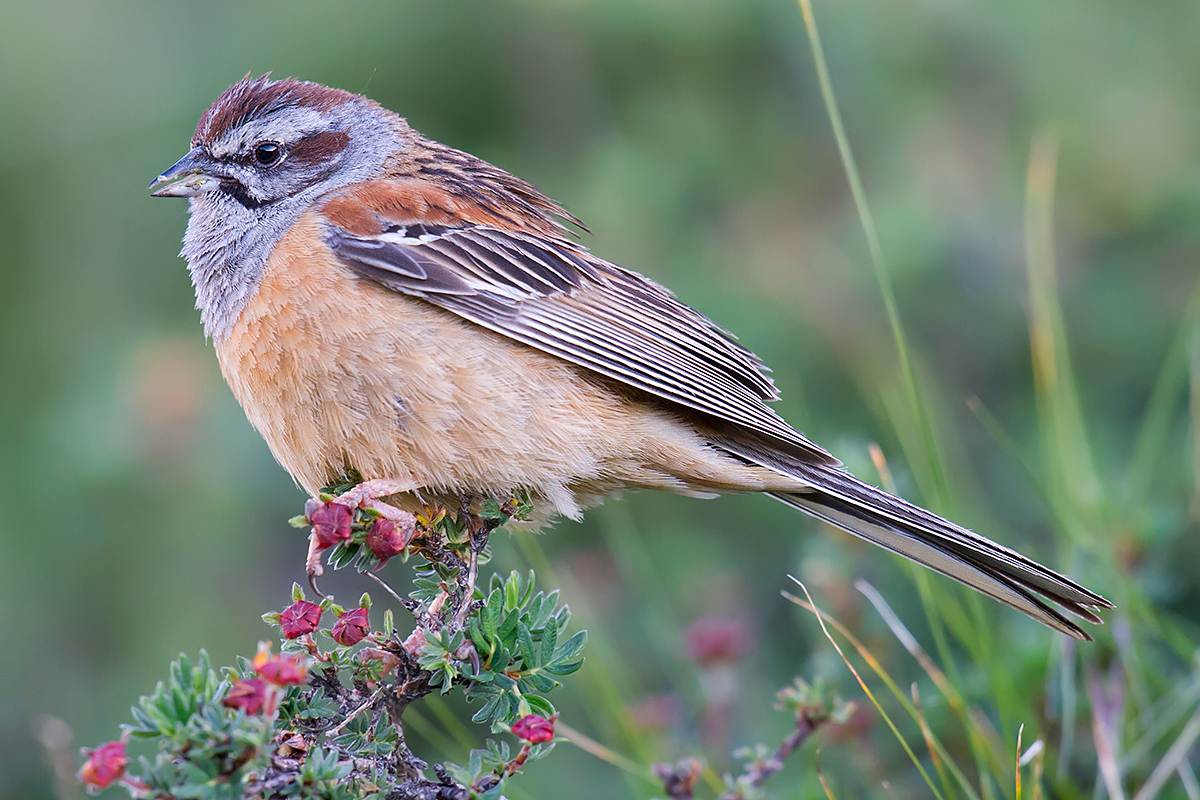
[267, 153]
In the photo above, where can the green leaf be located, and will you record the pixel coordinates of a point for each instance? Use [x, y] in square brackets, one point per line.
[563, 669]
[571, 647]
[549, 642]
[563, 617]
[528, 593]
[533, 613]
[489, 708]
[480, 640]
[500, 658]
[539, 682]
[540, 705]
[514, 706]
[343, 554]
[505, 632]
[182, 707]
[525, 642]
[512, 591]
[495, 611]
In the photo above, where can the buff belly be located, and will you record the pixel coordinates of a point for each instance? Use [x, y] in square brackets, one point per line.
[339, 373]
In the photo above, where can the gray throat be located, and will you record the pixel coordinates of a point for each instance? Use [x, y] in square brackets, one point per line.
[227, 246]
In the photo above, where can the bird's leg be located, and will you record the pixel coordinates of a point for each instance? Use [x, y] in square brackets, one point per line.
[468, 520]
[469, 593]
[478, 531]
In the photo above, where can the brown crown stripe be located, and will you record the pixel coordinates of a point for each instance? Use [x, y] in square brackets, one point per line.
[248, 99]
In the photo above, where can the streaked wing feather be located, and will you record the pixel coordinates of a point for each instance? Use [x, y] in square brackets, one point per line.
[557, 297]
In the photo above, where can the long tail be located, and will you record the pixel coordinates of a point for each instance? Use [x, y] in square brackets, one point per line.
[843, 500]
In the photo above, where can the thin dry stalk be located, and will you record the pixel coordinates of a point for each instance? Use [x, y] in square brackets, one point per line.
[820, 615]
[1107, 707]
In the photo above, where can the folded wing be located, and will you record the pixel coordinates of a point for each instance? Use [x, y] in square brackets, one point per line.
[555, 296]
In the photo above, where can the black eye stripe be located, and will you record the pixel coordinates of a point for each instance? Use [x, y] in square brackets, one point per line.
[239, 192]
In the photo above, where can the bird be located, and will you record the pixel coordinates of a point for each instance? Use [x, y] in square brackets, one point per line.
[385, 304]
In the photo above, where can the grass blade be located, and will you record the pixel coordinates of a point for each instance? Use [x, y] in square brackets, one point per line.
[1177, 368]
[982, 737]
[1070, 471]
[935, 464]
[1107, 709]
[1017, 769]
[605, 754]
[927, 735]
[1194, 408]
[873, 663]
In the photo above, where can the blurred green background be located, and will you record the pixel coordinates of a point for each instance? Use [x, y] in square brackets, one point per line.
[143, 517]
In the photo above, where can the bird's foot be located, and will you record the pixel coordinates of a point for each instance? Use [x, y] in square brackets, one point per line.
[331, 521]
[368, 493]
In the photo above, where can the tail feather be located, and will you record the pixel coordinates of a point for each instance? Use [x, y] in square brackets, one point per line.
[910, 542]
[846, 502]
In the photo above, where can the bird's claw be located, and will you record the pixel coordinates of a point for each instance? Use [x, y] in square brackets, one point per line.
[312, 563]
[331, 526]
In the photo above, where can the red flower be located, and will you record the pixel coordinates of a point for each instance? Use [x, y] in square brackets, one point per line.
[352, 627]
[280, 670]
[249, 695]
[330, 522]
[716, 640]
[534, 729]
[104, 766]
[385, 539]
[299, 618]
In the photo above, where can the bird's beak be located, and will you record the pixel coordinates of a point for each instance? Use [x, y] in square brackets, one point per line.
[186, 177]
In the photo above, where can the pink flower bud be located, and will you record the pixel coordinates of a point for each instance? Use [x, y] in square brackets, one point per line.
[352, 627]
[280, 670]
[534, 729]
[249, 695]
[299, 618]
[104, 766]
[386, 539]
[330, 522]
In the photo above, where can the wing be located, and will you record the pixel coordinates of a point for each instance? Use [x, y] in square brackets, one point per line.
[553, 295]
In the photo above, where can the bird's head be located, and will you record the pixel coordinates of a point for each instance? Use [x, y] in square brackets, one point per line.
[260, 157]
[266, 141]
